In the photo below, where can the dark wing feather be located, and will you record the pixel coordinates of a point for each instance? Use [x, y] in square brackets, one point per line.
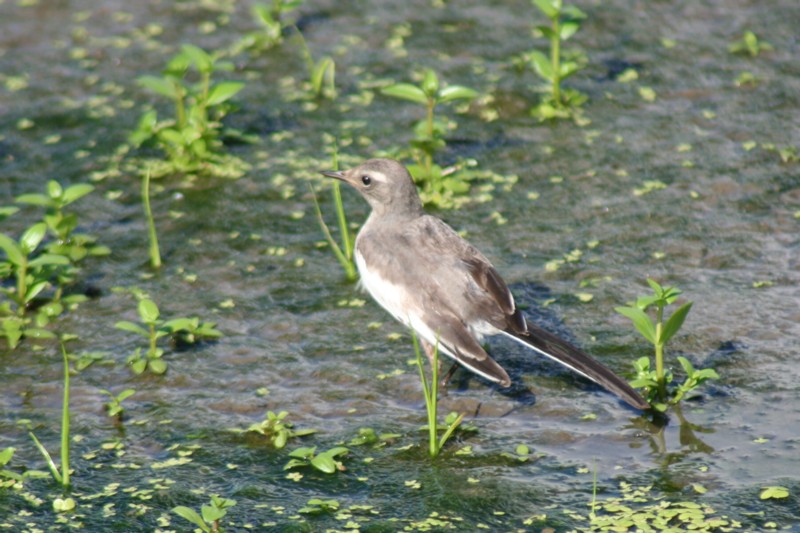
[568, 355]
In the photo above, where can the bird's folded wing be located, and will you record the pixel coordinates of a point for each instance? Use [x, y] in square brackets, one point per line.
[455, 340]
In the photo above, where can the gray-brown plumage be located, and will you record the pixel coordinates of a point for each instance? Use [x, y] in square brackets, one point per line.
[436, 283]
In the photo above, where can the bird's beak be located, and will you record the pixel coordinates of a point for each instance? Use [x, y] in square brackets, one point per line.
[338, 174]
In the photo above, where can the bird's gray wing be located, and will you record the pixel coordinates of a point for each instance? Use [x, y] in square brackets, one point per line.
[424, 259]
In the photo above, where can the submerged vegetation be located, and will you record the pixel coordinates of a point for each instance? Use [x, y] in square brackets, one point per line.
[239, 106]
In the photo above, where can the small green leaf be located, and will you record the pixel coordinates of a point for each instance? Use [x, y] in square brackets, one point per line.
[49, 259]
[133, 328]
[157, 366]
[655, 286]
[430, 83]
[687, 366]
[54, 189]
[550, 8]
[12, 250]
[192, 516]
[6, 455]
[148, 311]
[34, 199]
[211, 513]
[456, 92]
[223, 92]
[199, 57]
[675, 322]
[774, 493]
[75, 192]
[324, 463]
[318, 73]
[541, 64]
[568, 29]
[162, 86]
[640, 320]
[32, 237]
[406, 91]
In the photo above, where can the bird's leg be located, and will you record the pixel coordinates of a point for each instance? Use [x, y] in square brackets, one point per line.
[446, 379]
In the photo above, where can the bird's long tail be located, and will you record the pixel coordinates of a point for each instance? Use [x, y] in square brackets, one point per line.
[568, 355]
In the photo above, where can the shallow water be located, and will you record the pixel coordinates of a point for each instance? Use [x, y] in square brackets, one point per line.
[724, 229]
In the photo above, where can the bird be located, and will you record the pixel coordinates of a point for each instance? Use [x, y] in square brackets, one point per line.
[443, 288]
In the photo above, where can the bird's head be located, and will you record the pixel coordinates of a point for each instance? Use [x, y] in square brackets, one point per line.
[385, 184]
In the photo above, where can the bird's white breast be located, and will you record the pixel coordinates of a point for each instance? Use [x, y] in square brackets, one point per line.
[396, 300]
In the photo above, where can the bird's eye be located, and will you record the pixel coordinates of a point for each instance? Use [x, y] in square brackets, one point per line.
[366, 180]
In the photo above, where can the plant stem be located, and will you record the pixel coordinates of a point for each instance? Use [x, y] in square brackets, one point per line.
[429, 132]
[555, 59]
[153, 340]
[660, 379]
[430, 400]
[347, 243]
[155, 254]
[180, 107]
[65, 423]
[22, 286]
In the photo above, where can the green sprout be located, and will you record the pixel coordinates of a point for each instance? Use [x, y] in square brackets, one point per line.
[277, 430]
[152, 328]
[75, 246]
[37, 264]
[62, 475]
[564, 22]
[272, 22]
[368, 437]
[750, 45]
[321, 72]
[153, 249]
[114, 406]
[210, 515]
[324, 461]
[438, 185]
[431, 392]
[658, 332]
[192, 139]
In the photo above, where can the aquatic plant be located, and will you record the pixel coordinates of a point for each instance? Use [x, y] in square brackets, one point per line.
[153, 250]
[272, 24]
[430, 390]
[323, 461]
[152, 328]
[210, 515]
[277, 430]
[321, 72]
[750, 45]
[62, 475]
[558, 102]
[192, 138]
[438, 185]
[658, 332]
[37, 264]
[114, 406]
[62, 225]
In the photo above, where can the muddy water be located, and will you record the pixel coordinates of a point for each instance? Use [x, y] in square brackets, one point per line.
[721, 223]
